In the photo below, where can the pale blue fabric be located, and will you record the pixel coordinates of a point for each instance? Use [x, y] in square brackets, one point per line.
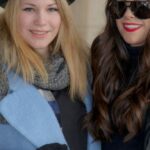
[92, 145]
[32, 120]
[11, 139]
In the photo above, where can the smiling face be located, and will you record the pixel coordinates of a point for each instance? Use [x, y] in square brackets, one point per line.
[39, 23]
[133, 30]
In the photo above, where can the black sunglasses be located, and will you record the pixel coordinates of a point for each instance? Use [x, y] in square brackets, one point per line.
[140, 9]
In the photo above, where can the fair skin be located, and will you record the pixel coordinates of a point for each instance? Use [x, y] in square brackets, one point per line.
[133, 30]
[39, 23]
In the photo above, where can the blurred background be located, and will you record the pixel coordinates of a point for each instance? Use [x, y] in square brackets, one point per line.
[0, 9]
[89, 17]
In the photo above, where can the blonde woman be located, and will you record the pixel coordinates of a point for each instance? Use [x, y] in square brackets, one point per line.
[47, 69]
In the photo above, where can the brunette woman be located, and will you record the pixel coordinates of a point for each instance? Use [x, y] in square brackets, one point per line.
[121, 76]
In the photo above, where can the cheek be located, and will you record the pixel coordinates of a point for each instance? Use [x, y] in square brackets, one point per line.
[22, 23]
[23, 28]
[56, 21]
[119, 26]
[25, 19]
[147, 22]
[148, 27]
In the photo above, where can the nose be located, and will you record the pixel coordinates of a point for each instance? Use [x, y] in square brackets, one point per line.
[128, 13]
[40, 18]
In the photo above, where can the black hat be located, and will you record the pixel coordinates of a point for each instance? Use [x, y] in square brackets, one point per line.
[70, 1]
[3, 2]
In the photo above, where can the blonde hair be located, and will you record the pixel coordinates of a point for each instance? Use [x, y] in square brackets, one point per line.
[19, 55]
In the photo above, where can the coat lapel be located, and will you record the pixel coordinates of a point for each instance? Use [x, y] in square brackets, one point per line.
[29, 113]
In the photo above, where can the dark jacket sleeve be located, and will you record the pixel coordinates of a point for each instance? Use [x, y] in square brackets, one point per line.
[54, 146]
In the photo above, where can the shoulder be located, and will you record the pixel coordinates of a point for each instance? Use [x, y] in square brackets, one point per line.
[95, 43]
[96, 49]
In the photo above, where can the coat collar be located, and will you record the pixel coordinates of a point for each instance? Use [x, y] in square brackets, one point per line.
[34, 117]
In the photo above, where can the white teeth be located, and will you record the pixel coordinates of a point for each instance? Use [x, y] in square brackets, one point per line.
[132, 26]
[39, 32]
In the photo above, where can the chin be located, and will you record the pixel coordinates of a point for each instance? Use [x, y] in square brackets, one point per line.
[133, 42]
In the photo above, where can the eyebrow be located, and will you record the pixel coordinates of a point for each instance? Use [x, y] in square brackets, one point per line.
[34, 5]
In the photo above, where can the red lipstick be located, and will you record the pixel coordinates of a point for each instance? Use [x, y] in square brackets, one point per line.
[131, 27]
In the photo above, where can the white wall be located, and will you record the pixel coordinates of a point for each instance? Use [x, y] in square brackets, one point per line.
[90, 17]
[1, 9]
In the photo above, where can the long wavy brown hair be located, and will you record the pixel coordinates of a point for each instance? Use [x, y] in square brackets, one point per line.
[117, 106]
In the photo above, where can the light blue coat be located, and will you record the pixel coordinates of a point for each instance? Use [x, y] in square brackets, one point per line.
[32, 122]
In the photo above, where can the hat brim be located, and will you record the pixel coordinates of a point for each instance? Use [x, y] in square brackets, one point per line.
[70, 1]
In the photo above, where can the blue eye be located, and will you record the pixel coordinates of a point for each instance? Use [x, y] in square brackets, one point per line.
[29, 9]
[53, 9]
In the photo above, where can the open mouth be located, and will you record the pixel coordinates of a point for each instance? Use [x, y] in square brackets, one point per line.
[131, 27]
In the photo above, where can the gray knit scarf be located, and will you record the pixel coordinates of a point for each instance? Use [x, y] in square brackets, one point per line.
[3, 87]
[58, 74]
[58, 78]
[3, 82]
